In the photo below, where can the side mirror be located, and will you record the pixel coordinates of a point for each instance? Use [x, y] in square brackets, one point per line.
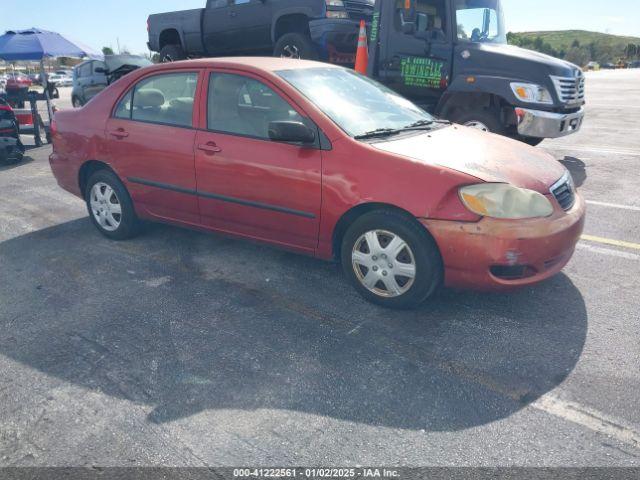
[289, 131]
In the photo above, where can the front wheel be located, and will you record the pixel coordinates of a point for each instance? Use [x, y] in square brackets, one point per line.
[391, 260]
[295, 45]
[110, 207]
[486, 119]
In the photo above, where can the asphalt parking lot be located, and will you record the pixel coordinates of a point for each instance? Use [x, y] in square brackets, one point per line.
[181, 348]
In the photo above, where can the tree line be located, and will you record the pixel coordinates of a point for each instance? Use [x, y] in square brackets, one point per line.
[594, 51]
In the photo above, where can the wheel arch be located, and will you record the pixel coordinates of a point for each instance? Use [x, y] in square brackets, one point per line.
[351, 215]
[170, 36]
[87, 169]
[291, 21]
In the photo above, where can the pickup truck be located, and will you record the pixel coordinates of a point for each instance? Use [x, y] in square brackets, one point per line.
[313, 29]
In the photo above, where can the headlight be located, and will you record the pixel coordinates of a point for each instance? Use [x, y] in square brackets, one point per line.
[335, 3]
[531, 93]
[500, 200]
[337, 14]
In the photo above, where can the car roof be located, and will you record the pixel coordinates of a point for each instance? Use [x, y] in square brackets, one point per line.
[271, 64]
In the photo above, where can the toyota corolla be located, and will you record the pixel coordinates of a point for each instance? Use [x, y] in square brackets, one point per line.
[320, 160]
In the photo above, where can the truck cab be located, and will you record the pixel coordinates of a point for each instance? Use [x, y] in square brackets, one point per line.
[452, 58]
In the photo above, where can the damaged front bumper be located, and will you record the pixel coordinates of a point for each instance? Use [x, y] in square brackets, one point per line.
[495, 254]
[337, 39]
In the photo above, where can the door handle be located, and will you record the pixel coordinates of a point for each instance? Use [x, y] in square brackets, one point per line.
[120, 133]
[209, 148]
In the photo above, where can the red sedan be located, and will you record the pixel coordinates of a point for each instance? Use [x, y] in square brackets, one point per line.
[320, 160]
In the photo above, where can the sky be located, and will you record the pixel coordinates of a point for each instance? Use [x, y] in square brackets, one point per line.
[105, 23]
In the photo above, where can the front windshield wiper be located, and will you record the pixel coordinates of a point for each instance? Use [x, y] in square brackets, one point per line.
[378, 132]
[387, 132]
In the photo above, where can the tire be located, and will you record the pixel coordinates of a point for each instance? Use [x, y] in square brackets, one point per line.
[488, 118]
[172, 53]
[75, 101]
[530, 140]
[295, 45]
[116, 226]
[419, 257]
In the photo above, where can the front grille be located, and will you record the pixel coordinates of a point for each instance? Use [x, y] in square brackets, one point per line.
[565, 192]
[570, 90]
[359, 10]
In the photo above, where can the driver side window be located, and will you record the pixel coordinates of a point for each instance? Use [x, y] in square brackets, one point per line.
[427, 19]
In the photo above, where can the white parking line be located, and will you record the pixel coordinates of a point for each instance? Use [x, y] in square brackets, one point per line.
[609, 251]
[589, 418]
[614, 205]
[572, 148]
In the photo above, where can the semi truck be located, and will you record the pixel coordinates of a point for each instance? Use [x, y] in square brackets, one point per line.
[449, 56]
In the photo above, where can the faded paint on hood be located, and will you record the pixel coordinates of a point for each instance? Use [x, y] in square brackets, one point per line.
[489, 157]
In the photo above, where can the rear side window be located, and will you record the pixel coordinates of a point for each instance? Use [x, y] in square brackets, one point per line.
[163, 99]
[244, 106]
[123, 110]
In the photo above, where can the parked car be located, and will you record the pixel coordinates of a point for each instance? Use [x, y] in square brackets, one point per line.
[635, 64]
[593, 66]
[326, 29]
[11, 148]
[93, 76]
[17, 82]
[608, 66]
[323, 161]
[60, 80]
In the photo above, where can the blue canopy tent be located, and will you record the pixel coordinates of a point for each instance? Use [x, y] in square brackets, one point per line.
[36, 44]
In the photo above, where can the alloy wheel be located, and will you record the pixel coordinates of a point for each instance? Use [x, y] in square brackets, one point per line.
[106, 207]
[384, 263]
[477, 125]
[290, 51]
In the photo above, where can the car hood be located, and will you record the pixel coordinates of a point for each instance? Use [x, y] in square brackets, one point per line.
[488, 157]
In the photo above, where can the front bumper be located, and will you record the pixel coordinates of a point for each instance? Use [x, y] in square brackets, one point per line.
[471, 252]
[540, 124]
[337, 39]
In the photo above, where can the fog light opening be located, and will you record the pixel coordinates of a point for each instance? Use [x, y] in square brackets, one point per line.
[513, 272]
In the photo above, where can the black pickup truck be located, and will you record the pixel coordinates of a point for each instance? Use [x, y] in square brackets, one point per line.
[317, 29]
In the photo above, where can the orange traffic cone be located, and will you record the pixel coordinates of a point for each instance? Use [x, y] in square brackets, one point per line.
[362, 54]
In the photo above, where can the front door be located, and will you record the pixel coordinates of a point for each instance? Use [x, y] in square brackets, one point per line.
[150, 139]
[416, 49]
[247, 184]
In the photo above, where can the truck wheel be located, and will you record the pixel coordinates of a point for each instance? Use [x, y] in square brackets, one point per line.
[486, 120]
[172, 53]
[295, 45]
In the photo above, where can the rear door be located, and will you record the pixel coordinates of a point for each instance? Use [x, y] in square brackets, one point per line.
[150, 142]
[250, 25]
[215, 27]
[247, 184]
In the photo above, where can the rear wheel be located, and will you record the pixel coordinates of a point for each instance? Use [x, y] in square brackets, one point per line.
[110, 207]
[390, 260]
[295, 45]
[75, 101]
[172, 53]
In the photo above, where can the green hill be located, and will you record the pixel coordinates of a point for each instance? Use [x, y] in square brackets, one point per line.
[579, 46]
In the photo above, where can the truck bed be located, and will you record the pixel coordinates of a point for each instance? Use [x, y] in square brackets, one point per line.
[187, 23]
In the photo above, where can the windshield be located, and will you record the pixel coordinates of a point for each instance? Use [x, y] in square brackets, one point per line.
[355, 103]
[480, 21]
